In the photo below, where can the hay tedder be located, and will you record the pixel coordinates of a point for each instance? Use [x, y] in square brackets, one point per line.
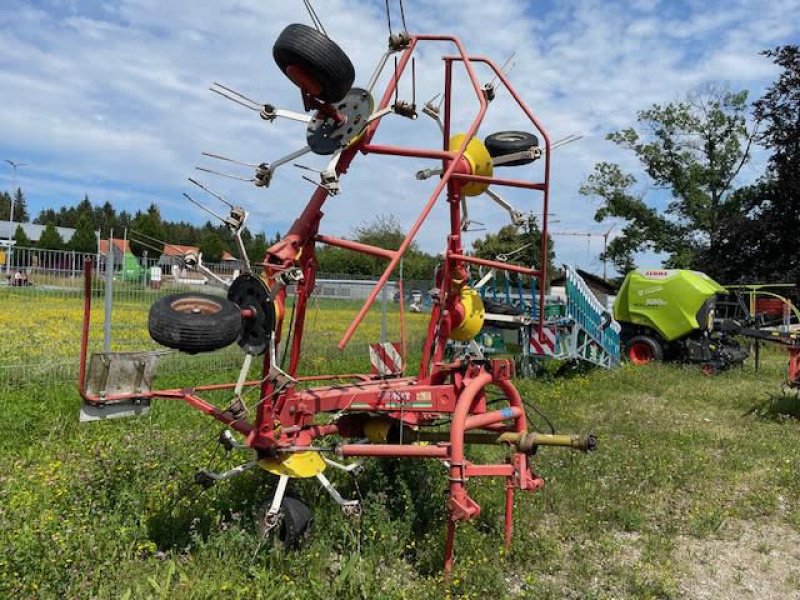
[296, 429]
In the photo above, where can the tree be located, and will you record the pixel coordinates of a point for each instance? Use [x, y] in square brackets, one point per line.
[775, 200]
[212, 247]
[257, 248]
[84, 239]
[384, 231]
[50, 239]
[5, 206]
[522, 246]
[21, 239]
[692, 151]
[150, 229]
[20, 207]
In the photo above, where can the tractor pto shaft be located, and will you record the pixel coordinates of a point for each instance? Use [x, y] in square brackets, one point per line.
[526, 442]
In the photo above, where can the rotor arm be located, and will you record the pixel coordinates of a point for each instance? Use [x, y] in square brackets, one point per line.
[517, 218]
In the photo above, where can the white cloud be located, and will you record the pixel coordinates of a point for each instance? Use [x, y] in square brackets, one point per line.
[111, 99]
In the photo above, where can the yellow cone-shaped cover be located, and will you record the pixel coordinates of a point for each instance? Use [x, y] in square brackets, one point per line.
[473, 316]
[480, 163]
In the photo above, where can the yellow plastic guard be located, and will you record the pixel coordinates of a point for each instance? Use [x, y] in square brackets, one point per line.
[480, 163]
[298, 465]
[474, 314]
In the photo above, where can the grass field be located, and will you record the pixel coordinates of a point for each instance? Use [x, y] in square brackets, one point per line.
[687, 497]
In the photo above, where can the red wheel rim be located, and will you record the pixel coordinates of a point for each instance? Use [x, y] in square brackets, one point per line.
[708, 370]
[303, 80]
[640, 353]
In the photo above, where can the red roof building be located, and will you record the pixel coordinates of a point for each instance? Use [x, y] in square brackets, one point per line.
[120, 247]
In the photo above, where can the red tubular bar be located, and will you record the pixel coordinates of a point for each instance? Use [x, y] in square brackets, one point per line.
[454, 162]
[356, 246]
[394, 450]
[495, 264]
[489, 470]
[210, 409]
[546, 191]
[457, 428]
[87, 316]
[490, 418]
[412, 152]
[546, 185]
[520, 183]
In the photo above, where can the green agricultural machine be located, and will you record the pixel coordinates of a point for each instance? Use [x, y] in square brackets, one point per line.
[670, 315]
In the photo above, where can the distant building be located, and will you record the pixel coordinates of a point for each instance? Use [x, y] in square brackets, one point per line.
[230, 261]
[172, 254]
[33, 231]
[605, 291]
[121, 247]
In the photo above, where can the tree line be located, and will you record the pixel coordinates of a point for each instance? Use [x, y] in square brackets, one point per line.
[148, 231]
[687, 202]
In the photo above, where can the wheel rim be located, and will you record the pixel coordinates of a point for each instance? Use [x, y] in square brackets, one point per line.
[301, 78]
[708, 370]
[640, 353]
[511, 137]
[196, 306]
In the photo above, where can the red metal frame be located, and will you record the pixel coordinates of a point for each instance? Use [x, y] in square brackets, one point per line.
[285, 417]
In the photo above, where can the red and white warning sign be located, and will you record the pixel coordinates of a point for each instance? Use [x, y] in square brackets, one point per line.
[546, 347]
[386, 359]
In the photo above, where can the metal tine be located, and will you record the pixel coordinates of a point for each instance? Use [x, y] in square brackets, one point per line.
[510, 63]
[239, 102]
[315, 183]
[233, 160]
[567, 140]
[237, 178]
[304, 167]
[239, 99]
[213, 193]
[208, 210]
[152, 239]
[132, 235]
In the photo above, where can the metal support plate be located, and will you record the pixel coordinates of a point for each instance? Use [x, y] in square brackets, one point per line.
[324, 137]
[119, 373]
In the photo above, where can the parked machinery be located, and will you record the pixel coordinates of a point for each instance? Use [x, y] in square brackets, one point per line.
[669, 314]
[296, 429]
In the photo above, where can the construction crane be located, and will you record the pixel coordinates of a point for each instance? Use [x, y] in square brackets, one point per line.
[589, 235]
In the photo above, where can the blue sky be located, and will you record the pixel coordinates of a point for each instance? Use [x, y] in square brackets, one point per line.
[111, 99]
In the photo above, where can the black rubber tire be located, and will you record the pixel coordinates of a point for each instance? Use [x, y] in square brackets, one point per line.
[320, 57]
[509, 142]
[500, 308]
[194, 322]
[493, 307]
[656, 350]
[296, 523]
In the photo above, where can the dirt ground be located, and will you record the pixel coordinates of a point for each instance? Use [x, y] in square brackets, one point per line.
[746, 560]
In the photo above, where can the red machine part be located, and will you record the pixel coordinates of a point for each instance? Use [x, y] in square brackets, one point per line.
[793, 378]
[286, 416]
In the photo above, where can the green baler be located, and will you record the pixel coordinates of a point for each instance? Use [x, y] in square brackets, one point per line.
[668, 314]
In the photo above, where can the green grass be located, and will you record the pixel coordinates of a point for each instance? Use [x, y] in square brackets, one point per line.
[108, 510]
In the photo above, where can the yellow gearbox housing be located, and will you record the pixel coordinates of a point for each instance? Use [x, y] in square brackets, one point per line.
[480, 163]
[474, 315]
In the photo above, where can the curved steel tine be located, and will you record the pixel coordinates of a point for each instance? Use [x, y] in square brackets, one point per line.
[211, 192]
[242, 96]
[239, 98]
[233, 160]
[306, 168]
[251, 180]
[208, 210]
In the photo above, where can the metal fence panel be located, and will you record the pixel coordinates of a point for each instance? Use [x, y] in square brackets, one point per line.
[41, 312]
